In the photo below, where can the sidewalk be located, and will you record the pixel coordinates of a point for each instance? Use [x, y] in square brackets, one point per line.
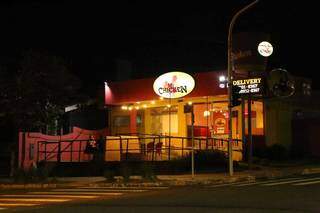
[250, 176]
[172, 180]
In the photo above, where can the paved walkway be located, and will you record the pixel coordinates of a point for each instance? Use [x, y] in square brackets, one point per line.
[206, 178]
[178, 180]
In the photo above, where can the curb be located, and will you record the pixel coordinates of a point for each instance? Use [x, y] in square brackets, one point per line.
[171, 181]
[310, 171]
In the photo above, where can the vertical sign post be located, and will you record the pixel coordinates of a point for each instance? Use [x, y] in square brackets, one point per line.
[230, 78]
[188, 108]
[192, 143]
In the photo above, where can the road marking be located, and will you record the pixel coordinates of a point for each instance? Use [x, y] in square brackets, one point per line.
[269, 181]
[17, 204]
[79, 193]
[124, 188]
[97, 190]
[226, 184]
[293, 181]
[33, 199]
[307, 183]
[52, 196]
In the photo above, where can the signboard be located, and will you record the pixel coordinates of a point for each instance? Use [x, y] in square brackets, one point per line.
[245, 57]
[252, 85]
[265, 49]
[174, 85]
[220, 124]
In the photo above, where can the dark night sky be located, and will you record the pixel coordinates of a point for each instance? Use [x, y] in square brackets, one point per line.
[155, 36]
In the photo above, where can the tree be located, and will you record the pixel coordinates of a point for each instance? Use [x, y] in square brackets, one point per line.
[35, 95]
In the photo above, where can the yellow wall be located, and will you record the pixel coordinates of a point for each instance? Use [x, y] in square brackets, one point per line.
[183, 120]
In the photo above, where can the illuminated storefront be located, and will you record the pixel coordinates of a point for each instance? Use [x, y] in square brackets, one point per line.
[147, 121]
[156, 106]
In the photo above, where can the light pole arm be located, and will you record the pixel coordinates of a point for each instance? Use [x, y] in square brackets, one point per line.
[230, 78]
[230, 34]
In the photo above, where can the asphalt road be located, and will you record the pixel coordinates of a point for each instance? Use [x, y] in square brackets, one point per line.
[295, 194]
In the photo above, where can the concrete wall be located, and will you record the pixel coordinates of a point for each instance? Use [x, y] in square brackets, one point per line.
[30, 142]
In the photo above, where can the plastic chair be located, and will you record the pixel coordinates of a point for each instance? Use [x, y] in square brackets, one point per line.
[159, 149]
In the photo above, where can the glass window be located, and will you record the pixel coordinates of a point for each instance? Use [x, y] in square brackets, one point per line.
[164, 120]
[121, 121]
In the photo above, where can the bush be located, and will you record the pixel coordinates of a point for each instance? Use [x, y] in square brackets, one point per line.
[42, 172]
[210, 158]
[22, 176]
[109, 174]
[277, 152]
[34, 174]
[205, 160]
[125, 172]
[19, 176]
[147, 171]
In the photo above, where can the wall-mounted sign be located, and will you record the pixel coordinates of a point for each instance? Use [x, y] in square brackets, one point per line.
[174, 85]
[252, 85]
[219, 124]
[265, 48]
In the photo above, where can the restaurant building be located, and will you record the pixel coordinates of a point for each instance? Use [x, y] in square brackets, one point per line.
[147, 120]
[155, 106]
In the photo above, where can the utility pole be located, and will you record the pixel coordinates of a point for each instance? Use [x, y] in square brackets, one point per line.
[249, 132]
[243, 127]
[188, 108]
[230, 78]
[192, 143]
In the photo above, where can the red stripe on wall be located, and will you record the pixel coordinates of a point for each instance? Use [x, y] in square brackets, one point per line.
[207, 84]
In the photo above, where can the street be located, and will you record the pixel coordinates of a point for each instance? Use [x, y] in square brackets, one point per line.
[291, 194]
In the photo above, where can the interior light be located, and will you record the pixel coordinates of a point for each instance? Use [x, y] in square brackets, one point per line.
[222, 78]
[206, 113]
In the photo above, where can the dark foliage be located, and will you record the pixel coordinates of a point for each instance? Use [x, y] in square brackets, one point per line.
[35, 93]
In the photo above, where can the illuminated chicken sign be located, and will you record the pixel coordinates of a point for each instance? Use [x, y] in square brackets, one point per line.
[173, 85]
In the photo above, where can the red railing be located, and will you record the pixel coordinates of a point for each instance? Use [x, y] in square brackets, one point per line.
[132, 147]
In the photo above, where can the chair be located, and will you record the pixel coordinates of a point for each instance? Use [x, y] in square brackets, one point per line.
[150, 149]
[159, 149]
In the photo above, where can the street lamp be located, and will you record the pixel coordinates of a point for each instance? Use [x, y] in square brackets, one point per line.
[230, 83]
[222, 81]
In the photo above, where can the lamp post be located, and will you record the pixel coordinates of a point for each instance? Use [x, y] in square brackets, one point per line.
[230, 78]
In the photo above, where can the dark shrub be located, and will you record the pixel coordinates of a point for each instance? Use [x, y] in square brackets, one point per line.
[147, 171]
[109, 174]
[125, 172]
[205, 160]
[42, 171]
[277, 152]
[210, 158]
[19, 176]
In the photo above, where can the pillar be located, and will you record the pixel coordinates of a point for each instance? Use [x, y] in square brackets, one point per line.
[133, 121]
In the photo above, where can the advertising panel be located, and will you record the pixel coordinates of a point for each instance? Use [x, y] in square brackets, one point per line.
[174, 85]
[249, 86]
